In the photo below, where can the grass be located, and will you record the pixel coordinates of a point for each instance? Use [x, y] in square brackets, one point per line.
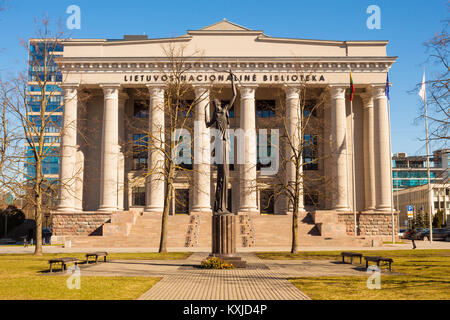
[24, 277]
[424, 275]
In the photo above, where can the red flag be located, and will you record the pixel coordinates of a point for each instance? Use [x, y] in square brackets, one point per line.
[352, 87]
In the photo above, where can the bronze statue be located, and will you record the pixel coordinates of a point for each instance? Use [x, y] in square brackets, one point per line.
[220, 121]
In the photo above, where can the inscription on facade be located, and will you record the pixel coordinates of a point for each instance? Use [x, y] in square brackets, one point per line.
[208, 77]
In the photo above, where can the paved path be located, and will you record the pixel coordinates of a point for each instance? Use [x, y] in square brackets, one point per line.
[256, 282]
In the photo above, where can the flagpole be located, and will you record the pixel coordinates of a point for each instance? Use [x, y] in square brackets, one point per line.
[430, 195]
[353, 163]
[392, 187]
[353, 171]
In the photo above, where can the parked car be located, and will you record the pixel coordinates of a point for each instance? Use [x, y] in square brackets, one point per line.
[438, 234]
[401, 233]
[407, 234]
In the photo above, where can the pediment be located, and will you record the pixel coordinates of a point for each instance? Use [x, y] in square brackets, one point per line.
[224, 25]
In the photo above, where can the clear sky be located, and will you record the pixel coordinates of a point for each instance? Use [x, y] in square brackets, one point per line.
[406, 24]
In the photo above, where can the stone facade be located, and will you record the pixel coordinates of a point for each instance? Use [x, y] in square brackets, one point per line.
[371, 224]
[79, 224]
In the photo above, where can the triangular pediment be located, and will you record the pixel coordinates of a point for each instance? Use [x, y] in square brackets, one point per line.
[224, 25]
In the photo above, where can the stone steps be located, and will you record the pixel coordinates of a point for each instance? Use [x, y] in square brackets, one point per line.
[132, 229]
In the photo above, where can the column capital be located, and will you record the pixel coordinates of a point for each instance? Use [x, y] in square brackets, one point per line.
[156, 90]
[247, 91]
[200, 90]
[367, 98]
[70, 90]
[110, 90]
[337, 92]
[379, 91]
[292, 92]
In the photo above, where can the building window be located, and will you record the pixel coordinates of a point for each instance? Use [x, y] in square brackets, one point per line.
[138, 196]
[140, 155]
[266, 201]
[311, 199]
[181, 201]
[310, 108]
[140, 109]
[265, 108]
[310, 152]
[186, 109]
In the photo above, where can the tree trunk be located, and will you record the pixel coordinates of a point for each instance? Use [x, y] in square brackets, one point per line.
[167, 197]
[38, 210]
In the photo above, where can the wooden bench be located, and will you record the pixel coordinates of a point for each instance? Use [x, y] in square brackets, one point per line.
[63, 261]
[378, 260]
[96, 255]
[351, 255]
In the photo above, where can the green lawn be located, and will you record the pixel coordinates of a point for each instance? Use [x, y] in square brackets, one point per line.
[425, 275]
[24, 277]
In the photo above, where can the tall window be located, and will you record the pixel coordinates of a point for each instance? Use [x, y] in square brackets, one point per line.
[309, 109]
[265, 108]
[266, 201]
[138, 196]
[310, 152]
[140, 155]
[181, 200]
[140, 109]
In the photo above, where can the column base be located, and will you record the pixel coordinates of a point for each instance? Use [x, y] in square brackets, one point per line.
[154, 209]
[201, 211]
[107, 209]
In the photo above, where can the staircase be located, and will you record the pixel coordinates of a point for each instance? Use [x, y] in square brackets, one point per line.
[131, 229]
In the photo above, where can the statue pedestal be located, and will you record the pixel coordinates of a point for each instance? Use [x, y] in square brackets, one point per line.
[224, 239]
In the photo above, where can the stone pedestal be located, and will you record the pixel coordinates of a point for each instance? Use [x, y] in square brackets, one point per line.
[224, 239]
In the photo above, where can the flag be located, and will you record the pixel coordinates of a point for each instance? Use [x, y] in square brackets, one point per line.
[386, 90]
[422, 92]
[352, 87]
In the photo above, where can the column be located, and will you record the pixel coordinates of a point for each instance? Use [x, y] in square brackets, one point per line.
[202, 173]
[110, 146]
[339, 147]
[369, 150]
[121, 157]
[247, 171]
[382, 156]
[294, 130]
[68, 149]
[327, 154]
[79, 171]
[155, 178]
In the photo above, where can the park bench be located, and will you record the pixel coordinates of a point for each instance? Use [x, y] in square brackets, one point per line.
[351, 255]
[96, 255]
[63, 261]
[378, 260]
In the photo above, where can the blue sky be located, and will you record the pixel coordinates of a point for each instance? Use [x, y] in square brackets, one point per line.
[406, 24]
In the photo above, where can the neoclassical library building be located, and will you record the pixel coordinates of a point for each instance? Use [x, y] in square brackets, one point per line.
[114, 90]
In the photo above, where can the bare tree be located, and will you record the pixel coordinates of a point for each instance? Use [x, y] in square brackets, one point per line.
[34, 116]
[438, 86]
[303, 132]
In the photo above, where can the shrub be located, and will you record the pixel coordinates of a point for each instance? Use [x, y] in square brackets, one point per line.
[216, 263]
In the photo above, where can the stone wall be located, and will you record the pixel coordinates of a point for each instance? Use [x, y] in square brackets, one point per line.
[78, 224]
[371, 224]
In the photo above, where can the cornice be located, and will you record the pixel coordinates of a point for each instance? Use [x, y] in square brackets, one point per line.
[243, 64]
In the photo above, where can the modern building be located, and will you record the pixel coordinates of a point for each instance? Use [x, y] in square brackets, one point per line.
[411, 171]
[43, 80]
[114, 90]
[41, 66]
[420, 199]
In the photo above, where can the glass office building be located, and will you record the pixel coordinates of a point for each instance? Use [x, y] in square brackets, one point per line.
[43, 73]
